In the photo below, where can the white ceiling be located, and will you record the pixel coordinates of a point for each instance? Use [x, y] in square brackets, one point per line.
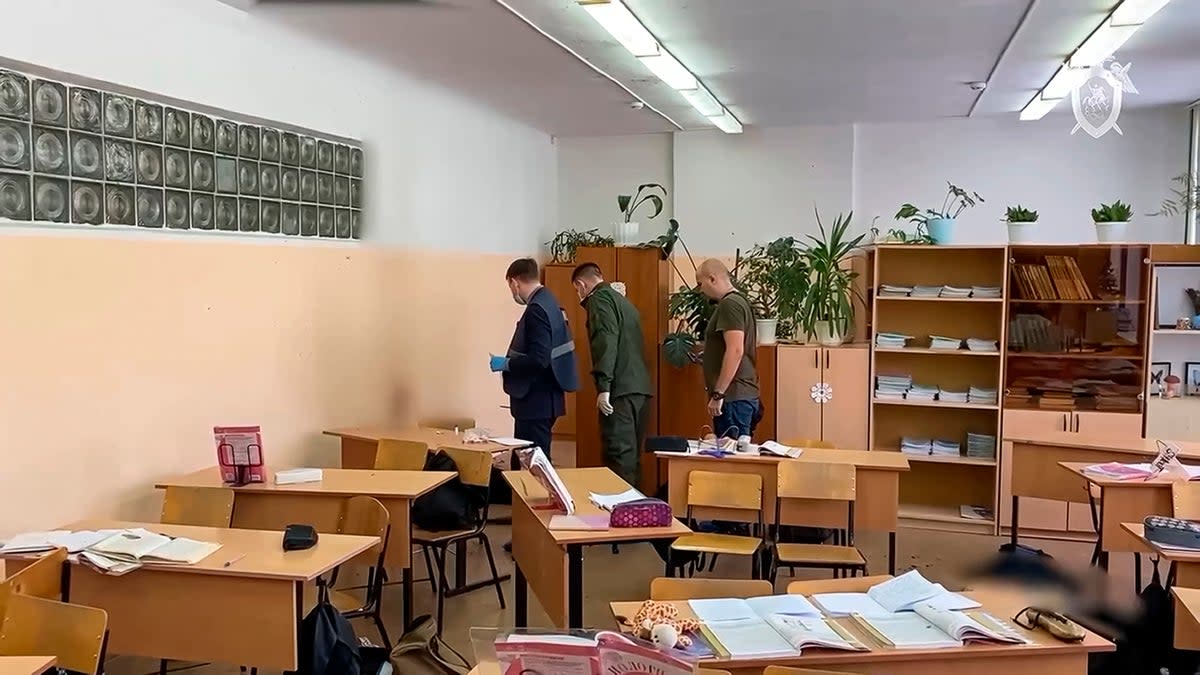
[772, 62]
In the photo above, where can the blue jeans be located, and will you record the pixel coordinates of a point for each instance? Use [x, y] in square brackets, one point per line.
[737, 418]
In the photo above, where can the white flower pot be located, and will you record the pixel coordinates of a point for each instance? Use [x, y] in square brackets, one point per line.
[1020, 233]
[826, 336]
[625, 234]
[1111, 232]
[765, 329]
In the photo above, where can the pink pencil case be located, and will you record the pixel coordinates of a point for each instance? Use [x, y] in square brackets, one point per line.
[642, 513]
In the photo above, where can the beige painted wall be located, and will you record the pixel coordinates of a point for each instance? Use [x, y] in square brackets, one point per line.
[119, 355]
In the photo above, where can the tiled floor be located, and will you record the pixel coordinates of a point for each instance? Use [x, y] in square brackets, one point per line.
[941, 556]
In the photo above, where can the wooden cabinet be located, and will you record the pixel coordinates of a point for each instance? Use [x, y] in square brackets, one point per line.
[683, 401]
[1107, 424]
[842, 420]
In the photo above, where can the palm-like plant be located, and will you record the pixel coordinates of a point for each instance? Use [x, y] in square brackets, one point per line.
[775, 277]
[831, 290]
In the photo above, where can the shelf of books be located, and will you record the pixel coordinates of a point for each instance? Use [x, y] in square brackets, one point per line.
[936, 370]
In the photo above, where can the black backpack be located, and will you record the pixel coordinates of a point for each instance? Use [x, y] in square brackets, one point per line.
[327, 642]
[451, 505]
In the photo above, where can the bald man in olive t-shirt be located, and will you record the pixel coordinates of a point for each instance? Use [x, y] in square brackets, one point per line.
[729, 354]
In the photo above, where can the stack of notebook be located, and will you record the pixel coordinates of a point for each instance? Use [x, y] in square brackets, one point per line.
[943, 342]
[926, 291]
[981, 345]
[892, 340]
[982, 396]
[890, 291]
[945, 448]
[921, 392]
[955, 292]
[916, 446]
[892, 387]
[981, 446]
[985, 291]
[952, 396]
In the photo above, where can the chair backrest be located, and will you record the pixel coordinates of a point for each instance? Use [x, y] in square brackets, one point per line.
[664, 588]
[787, 670]
[851, 585]
[41, 578]
[725, 490]
[711, 671]
[474, 466]
[810, 443]
[366, 516]
[397, 455]
[1185, 500]
[816, 480]
[200, 506]
[73, 634]
[448, 422]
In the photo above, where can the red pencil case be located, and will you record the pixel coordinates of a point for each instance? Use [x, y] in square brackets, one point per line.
[641, 513]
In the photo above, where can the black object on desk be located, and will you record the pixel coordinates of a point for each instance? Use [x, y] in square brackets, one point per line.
[299, 537]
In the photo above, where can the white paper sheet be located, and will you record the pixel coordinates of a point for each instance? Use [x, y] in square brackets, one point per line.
[791, 605]
[32, 542]
[903, 592]
[607, 502]
[510, 442]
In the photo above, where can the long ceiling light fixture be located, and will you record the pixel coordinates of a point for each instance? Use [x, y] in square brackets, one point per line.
[1117, 28]
[616, 18]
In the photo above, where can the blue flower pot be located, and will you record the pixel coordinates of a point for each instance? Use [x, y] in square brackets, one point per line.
[941, 229]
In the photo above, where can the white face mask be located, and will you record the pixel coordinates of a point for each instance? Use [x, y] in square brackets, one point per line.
[518, 299]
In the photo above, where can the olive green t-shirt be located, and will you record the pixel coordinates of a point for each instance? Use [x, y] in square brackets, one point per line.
[733, 312]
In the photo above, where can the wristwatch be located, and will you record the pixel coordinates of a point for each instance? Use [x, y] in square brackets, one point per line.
[716, 396]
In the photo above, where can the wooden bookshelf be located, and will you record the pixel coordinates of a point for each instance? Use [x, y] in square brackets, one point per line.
[935, 488]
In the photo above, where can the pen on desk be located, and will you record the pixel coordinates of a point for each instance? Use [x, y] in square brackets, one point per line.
[230, 562]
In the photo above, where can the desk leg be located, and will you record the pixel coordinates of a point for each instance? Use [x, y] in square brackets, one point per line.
[574, 586]
[521, 599]
[892, 553]
[406, 582]
[1100, 539]
[460, 564]
[1016, 519]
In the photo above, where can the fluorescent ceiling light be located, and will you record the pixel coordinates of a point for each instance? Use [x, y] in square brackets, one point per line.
[670, 70]
[702, 101]
[1038, 107]
[616, 18]
[726, 122]
[1114, 32]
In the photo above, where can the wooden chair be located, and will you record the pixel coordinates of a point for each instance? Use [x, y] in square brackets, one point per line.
[460, 423]
[810, 443]
[41, 578]
[664, 588]
[818, 481]
[1185, 500]
[848, 585]
[73, 634]
[364, 516]
[474, 470]
[731, 492]
[787, 670]
[398, 455]
[199, 506]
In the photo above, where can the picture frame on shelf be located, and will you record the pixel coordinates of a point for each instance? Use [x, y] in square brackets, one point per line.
[1159, 371]
[1191, 378]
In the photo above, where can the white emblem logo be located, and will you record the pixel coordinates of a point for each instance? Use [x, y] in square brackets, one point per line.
[1097, 102]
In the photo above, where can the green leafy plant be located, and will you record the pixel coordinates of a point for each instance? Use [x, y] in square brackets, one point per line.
[645, 193]
[1185, 197]
[1020, 214]
[896, 235]
[564, 244]
[831, 288]
[775, 278]
[957, 200]
[1116, 212]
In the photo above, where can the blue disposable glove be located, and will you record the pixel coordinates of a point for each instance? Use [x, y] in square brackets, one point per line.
[498, 363]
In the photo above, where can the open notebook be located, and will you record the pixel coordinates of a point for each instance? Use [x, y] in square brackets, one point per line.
[929, 628]
[141, 546]
[894, 595]
[771, 625]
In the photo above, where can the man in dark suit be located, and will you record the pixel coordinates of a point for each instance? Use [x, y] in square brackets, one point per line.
[540, 363]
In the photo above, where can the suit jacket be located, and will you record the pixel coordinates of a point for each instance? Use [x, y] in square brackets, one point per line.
[541, 360]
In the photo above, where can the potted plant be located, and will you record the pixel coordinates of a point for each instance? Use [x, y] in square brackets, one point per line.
[775, 277]
[825, 310]
[1020, 223]
[940, 224]
[626, 230]
[1184, 198]
[564, 244]
[1111, 221]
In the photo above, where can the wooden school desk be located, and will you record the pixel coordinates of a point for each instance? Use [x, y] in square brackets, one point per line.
[360, 443]
[1046, 656]
[877, 480]
[1035, 459]
[267, 506]
[241, 605]
[1187, 617]
[550, 562]
[25, 665]
[1185, 565]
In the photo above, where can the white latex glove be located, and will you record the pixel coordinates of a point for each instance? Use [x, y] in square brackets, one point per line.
[603, 404]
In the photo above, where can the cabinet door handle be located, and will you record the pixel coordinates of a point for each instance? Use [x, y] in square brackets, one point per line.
[817, 359]
[1076, 418]
[826, 359]
[1066, 423]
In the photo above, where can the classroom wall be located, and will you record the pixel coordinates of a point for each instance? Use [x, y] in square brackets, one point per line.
[598, 169]
[119, 351]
